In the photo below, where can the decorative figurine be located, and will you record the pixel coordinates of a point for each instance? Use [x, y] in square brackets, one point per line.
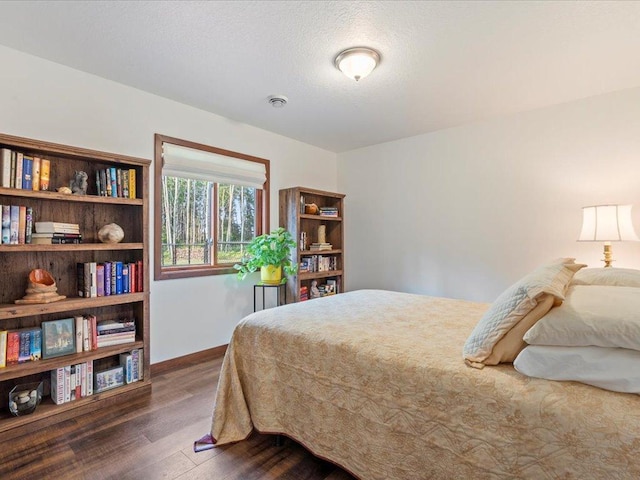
[111, 233]
[41, 288]
[315, 293]
[78, 183]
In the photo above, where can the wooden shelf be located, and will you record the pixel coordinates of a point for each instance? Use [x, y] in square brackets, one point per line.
[320, 218]
[306, 253]
[68, 304]
[29, 368]
[49, 409]
[70, 247]
[316, 275]
[61, 197]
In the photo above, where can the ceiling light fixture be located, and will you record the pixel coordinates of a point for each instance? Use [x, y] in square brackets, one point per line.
[277, 101]
[357, 62]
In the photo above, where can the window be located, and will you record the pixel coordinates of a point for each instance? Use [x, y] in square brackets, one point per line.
[209, 204]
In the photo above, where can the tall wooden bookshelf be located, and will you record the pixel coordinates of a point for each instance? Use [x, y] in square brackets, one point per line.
[299, 223]
[91, 212]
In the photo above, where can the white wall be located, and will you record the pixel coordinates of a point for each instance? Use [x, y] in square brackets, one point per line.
[467, 211]
[46, 101]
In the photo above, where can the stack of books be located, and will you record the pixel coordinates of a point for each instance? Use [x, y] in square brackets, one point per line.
[328, 212]
[113, 332]
[56, 233]
[320, 246]
[304, 293]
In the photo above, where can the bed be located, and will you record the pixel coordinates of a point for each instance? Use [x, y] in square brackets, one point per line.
[374, 381]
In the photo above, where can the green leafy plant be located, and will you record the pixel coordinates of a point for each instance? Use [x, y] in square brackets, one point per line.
[269, 249]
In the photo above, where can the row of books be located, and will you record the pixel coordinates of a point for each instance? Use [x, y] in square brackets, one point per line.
[318, 246]
[20, 346]
[54, 233]
[328, 212]
[109, 278]
[318, 263]
[116, 182]
[17, 224]
[113, 332]
[27, 172]
[72, 382]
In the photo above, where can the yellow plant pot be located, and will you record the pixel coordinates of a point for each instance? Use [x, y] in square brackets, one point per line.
[271, 274]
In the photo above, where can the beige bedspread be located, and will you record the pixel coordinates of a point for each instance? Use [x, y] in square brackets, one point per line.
[375, 382]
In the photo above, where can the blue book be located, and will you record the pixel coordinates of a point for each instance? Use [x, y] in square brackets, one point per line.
[125, 278]
[114, 181]
[27, 173]
[36, 344]
[25, 346]
[6, 224]
[107, 278]
[118, 269]
[28, 229]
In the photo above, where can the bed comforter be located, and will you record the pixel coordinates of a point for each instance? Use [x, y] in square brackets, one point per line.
[375, 382]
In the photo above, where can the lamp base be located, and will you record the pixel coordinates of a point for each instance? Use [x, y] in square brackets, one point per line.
[608, 255]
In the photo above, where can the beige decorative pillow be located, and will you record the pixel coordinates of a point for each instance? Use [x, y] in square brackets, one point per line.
[620, 277]
[514, 305]
[598, 315]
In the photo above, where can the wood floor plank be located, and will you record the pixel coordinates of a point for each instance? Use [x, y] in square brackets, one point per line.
[151, 437]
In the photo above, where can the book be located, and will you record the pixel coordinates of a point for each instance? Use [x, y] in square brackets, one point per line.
[140, 363]
[107, 176]
[80, 278]
[114, 181]
[79, 320]
[132, 183]
[27, 172]
[89, 378]
[57, 385]
[6, 224]
[24, 352]
[36, 343]
[108, 325]
[100, 279]
[13, 347]
[57, 227]
[28, 228]
[56, 239]
[115, 330]
[125, 278]
[135, 364]
[15, 224]
[103, 183]
[67, 383]
[22, 224]
[140, 279]
[35, 177]
[3, 348]
[118, 284]
[125, 183]
[107, 278]
[19, 166]
[5, 167]
[45, 165]
[115, 341]
[14, 160]
[119, 181]
[126, 361]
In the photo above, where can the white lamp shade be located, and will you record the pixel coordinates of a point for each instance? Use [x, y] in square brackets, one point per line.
[357, 63]
[607, 223]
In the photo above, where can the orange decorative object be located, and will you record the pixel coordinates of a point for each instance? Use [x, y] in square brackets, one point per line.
[42, 288]
[311, 208]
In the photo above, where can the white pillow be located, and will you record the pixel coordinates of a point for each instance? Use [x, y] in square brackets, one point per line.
[620, 277]
[597, 315]
[514, 304]
[616, 369]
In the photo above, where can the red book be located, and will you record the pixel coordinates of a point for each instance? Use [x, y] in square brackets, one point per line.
[13, 347]
[140, 276]
[133, 280]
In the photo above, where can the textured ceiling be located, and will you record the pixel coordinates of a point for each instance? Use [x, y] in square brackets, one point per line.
[443, 63]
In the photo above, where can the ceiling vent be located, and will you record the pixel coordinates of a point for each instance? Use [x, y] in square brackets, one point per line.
[278, 101]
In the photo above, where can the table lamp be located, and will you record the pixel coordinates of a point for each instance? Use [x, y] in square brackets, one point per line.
[607, 223]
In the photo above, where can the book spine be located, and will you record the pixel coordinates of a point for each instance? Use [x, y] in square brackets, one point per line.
[118, 270]
[79, 327]
[93, 269]
[140, 282]
[94, 332]
[57, 386]
[45, 166]
[125, 183]
[83, 380]
[105, 326]
[67, 383]
[114, 181]
[89, 378]
[103, 183]
[36, 344]
[3, 348]
[5, 168]
[133, 278]
[127, 363]
[135, 364]
[6, 224]
[24, 354]
[113, 278]
[35, 177]
[22, 224]
[15, 224]
[19, 167]
[28, 228]
[119, 181]
[125, 278]
[140, 363]
[86, 335]
[72, 383]
[13, 347]
[132, 183]
[14, 160]
[110, 331]
[100, 279]
[80, 278]
[87, 279]
[27, 172]
[115, 341]
[107, 279]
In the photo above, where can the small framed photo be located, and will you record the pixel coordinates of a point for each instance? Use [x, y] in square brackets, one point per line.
[58, 338]
[107, 379]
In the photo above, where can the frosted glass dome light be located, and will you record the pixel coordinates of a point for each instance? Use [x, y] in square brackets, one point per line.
[357, 62]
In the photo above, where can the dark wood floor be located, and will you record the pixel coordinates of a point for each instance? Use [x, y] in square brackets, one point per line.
[151, 437]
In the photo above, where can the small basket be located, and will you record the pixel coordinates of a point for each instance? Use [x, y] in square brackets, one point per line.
[24, 398]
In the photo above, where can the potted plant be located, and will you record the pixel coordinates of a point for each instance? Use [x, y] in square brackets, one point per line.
[271, 253]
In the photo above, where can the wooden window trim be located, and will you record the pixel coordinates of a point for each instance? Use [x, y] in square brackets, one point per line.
[262, 210]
